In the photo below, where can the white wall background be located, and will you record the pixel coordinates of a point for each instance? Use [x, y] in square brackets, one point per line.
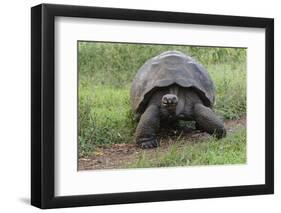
[15, 105]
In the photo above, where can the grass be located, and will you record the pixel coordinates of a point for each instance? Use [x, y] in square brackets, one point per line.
[230, 82]
[229, 150]
[106, 71]
[105, 117]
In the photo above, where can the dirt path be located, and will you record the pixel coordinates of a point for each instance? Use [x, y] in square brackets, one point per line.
[121, 155]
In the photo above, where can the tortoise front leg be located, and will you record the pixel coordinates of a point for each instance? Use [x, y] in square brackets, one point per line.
[207, 120]
[148, 126]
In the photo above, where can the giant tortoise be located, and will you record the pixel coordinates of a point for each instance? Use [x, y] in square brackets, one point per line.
[169, 87]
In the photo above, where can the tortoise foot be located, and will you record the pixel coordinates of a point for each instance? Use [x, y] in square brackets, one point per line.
[148, 143]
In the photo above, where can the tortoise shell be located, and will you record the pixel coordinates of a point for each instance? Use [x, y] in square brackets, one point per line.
[166, 69]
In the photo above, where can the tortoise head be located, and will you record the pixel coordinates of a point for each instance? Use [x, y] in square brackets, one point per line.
[170, 102]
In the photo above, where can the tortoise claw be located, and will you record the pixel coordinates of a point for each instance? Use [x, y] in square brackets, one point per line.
[149, 144]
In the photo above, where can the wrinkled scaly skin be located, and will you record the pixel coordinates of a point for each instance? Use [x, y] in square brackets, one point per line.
[188, 107]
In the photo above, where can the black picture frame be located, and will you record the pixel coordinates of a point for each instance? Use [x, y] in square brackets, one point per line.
[43, 102]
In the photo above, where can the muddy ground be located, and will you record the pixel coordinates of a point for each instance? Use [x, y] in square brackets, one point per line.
[122, 155]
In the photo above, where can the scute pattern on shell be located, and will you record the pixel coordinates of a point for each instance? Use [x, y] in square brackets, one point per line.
[171, 67]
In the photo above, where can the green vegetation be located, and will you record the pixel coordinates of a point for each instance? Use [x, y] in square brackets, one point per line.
[229, 150]
[115, 64]
[106, 71]
[105, 117]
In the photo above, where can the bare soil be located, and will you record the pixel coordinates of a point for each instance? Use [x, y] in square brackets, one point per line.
[122, 155]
